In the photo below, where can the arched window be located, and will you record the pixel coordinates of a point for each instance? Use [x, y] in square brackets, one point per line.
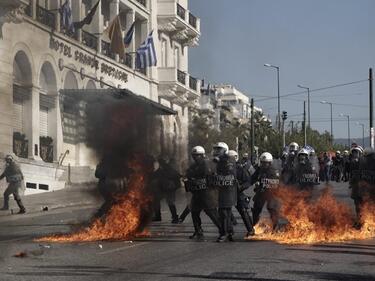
[22, 81]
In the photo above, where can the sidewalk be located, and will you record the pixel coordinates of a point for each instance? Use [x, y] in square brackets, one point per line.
[77, 195]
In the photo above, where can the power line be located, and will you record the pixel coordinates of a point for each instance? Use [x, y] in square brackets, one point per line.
[316, 90]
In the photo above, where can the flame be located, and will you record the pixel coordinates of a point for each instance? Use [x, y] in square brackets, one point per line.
[124, 220]
[314, 221]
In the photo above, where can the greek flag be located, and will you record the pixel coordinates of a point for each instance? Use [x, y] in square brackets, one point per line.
[66, 17]
[146, 54]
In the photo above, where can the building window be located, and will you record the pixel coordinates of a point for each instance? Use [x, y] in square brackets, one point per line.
[43, 121]
[164, 62]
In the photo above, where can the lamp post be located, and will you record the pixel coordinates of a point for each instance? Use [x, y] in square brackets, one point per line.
[348, 117]
[278, 92]
[363, 133]
[308, 101]
[331, 105]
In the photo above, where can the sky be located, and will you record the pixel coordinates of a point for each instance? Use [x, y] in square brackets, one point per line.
[316, 43]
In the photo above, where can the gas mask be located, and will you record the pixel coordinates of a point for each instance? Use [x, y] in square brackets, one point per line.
[302, 159]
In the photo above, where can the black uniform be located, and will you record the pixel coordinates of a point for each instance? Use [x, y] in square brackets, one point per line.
[265, 180]
[354, 178]
[288, 168]
[204, 196]
[364, 189]
[14, 177]
[165, 181]
[225, 181]
[244, 173]
[305, 177]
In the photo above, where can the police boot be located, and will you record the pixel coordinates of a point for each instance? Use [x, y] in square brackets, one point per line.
[198, 234]
[184, 214]
[21, 206]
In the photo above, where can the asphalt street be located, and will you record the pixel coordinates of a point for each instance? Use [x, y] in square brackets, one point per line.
[168, 254]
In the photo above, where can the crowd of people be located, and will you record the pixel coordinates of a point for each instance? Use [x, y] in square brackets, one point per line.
[219, 184]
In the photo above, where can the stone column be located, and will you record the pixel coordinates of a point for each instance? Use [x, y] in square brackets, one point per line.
[32, 122]
[6, 94]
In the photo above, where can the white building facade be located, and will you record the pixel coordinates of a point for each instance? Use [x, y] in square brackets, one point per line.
[37, 60]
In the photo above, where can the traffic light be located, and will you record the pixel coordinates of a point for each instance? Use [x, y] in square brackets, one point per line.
[284, 116]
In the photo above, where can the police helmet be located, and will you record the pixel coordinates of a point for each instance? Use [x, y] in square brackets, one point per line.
[245, 155]
[266, 157]
[346, 152]
[303, 151]
[338, 152]
[293, 146]
[198, 150]
[233, 154]
[357, 148]
[9, 158]
[223, 146]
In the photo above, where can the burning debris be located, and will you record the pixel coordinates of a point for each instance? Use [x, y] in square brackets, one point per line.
[323, 219]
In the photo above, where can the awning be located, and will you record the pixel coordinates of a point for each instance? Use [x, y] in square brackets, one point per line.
[113, 95]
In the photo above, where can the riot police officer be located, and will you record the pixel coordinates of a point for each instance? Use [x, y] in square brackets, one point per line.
[165, 182]
[243, 173]
[289, 163]
[225, 181]
[14, 177]
[266, 180]
[354, 178]
[305, 174]
[204, 197]
[366, 185]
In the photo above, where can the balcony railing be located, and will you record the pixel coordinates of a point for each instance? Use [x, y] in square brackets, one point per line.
[45, 17]
[181, 11]
[193, 83]
[142, 2]
[142, 70]
[192, 20]
[89, 40]
[128, 60]
[28, 10]
[181, 77]
[106, 50]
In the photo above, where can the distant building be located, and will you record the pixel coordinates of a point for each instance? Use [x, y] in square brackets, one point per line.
[227, 97]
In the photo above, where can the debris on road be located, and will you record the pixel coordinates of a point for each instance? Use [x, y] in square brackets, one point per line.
[21, 255]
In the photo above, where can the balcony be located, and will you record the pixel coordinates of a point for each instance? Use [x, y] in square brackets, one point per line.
[177, 21]
[45, 17]
[89, 40]
[175, 84]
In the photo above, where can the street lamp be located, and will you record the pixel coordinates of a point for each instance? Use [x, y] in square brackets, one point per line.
[347, 116]
[278, 92]
[326, 102]
[363, 133]
[308, 101]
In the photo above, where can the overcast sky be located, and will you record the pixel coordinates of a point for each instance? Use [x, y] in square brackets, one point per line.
[316, 43]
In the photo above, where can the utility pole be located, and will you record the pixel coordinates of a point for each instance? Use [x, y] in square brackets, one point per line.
[292, 123]
[284, 117]
[252, 141]
[304, 122]
[371, 110]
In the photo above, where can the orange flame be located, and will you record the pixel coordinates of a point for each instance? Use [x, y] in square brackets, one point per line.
[123, 221]
[314, 221]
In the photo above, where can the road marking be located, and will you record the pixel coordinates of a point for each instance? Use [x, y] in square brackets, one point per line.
[122, 248]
